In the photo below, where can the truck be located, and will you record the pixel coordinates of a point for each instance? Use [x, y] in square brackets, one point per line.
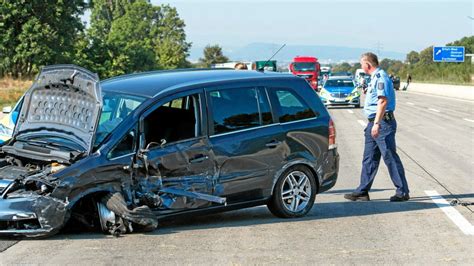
[306, 67]
[270, 65]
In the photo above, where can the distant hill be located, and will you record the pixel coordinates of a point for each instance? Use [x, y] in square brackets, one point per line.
[325, 54]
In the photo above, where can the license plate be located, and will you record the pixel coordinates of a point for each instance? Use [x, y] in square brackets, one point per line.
[340, 100]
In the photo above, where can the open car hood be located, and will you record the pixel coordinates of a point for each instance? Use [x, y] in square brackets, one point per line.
[64, 101]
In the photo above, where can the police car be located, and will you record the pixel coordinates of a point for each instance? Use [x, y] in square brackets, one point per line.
[340, 90]
[7, 123]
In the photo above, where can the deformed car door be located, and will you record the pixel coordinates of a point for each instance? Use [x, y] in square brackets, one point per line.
[177, 149]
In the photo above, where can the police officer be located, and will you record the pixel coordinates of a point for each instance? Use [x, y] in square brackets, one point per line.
[379, 134]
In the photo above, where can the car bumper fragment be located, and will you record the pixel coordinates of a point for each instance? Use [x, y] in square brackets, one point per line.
[31, 216]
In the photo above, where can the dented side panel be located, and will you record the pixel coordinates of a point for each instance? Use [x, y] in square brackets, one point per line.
[188, 165]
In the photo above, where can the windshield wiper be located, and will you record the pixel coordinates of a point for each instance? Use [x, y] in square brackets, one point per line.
[49, 144]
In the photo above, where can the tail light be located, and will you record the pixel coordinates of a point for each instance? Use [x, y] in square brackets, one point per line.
[332, 135]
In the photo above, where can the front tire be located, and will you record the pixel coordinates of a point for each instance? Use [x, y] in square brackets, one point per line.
[294, 193]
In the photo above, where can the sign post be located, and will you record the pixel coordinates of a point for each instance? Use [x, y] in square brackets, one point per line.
[454, 54]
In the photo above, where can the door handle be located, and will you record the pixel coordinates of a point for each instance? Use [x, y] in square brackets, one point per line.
[199, 158]
[273, 144]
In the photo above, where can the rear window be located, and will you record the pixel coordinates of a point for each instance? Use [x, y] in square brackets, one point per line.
[290, 106]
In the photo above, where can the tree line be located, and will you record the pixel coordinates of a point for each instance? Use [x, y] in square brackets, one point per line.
[124, 36]
[421, 67]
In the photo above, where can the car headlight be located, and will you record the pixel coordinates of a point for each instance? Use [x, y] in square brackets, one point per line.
[355, 93]
[323, 92]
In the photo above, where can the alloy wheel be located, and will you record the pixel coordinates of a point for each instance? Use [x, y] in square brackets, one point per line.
[296, 191]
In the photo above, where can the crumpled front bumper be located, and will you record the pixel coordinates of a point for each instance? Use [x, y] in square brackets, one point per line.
[31, 215]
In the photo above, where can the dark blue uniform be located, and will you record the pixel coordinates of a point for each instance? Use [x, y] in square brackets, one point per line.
[384, 145]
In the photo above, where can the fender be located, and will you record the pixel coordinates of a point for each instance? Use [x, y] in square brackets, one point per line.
[106, 188]
[300, 161]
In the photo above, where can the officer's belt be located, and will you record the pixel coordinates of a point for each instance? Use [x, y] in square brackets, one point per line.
[388, 116]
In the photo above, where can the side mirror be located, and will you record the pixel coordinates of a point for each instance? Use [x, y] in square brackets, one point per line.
[7, 109]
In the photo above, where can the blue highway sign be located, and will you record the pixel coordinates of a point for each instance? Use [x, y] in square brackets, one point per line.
[448, 54]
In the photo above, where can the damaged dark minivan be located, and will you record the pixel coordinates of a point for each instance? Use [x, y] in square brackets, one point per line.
[121, 154]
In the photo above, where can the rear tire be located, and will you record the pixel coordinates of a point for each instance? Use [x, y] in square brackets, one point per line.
[294, 193]
[357, 105]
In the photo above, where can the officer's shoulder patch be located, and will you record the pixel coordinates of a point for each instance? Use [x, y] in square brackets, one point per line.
[378, 75]
[380, 85]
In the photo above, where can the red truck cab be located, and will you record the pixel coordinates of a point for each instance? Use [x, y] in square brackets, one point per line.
[306, 67]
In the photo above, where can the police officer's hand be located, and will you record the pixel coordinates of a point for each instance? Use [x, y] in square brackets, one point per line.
[375, 130]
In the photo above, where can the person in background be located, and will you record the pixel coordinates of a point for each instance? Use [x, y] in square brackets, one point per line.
[408, 82]
[240, 66]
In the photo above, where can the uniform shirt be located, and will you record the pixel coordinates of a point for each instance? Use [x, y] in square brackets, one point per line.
[380, 85]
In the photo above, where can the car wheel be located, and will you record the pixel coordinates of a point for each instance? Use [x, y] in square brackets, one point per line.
[357, 105]
[294, 193]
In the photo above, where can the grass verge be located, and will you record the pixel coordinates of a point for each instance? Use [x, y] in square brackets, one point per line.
[11, 90]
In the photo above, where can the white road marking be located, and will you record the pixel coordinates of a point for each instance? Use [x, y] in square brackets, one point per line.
[434, 110]
[350, 111]
[468, 120]
[457, 218]
[409, 103]
[362, 123]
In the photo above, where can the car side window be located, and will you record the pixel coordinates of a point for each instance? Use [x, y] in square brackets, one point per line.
[176, 120]
[235, 109]
[125, 146]
[290, 106]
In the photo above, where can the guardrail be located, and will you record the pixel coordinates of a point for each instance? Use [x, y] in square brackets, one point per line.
[452, 91]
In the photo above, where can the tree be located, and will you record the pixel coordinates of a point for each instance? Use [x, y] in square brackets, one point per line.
[413, 58]
[103, 13]
[426, 56]
[130, 36]
[344, 67]
[355, 67]
[38, 32]
[467, 42]
[171, 47]
[212, 55]
[385, 63]
[130, 39]
[395, 67]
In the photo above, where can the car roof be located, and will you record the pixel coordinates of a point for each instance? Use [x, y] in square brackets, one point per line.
[149, 84]
[339, 77]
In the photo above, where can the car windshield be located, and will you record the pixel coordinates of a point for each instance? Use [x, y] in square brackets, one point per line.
[339, 83]
[116, 107]
[304, 66]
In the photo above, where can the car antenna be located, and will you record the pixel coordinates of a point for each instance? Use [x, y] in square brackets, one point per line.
[266, 62]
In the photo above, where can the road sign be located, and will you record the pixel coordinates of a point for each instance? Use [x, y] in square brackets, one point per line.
[448, 54]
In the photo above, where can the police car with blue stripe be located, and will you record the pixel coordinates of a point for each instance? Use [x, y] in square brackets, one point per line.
[340, 90]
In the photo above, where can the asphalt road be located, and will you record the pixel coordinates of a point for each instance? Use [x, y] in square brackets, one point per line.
[435, 142]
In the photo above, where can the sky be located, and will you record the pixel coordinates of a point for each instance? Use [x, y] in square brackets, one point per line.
[399, 26]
